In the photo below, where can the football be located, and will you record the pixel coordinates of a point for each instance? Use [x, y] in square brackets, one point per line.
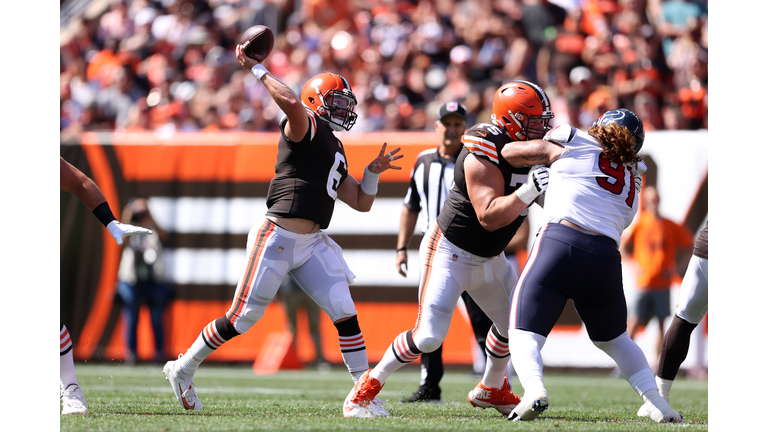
[257, 42]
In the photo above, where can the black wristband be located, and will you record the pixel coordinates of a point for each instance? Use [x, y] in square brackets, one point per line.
[400, 250]
[104, 214]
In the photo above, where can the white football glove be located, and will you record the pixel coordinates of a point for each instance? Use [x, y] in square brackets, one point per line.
[538, 180]
[120, 230]
[638, 168]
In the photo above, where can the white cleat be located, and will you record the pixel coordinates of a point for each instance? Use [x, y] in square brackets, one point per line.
[377, 406]
[643, 411]
[530, 407]
[184, 389]
[661, 413]
[663, 416]
[73, 401]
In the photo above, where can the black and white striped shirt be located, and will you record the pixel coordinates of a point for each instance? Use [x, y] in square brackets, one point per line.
[431, 180]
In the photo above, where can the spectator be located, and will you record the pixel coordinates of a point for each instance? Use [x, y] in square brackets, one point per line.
[116, 101]
[424, 50]
[141, 279]
[116, 23]
[647, 107]
[654, 245]
[676, 18]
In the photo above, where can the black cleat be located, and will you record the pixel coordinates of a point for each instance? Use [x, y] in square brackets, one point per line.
[424, 395]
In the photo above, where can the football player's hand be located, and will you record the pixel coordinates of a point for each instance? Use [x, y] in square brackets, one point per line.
[120, 230]
[538, 181]
[638, 168]
[244, 60]
[384, 161]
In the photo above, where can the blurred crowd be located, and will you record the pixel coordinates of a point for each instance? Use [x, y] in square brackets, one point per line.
[169, 65]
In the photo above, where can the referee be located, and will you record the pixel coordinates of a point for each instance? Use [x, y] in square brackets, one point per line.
[431, 180]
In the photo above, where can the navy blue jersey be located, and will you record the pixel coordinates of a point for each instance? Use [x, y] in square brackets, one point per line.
[307, 174]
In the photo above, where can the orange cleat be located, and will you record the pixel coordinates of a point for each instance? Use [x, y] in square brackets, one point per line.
[503, 400]
[360, 401]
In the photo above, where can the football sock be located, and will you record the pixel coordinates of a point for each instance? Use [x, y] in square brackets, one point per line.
[527, 359]
[674, 349]
[67, 374]
[629, 358]
[214, 335]
[402, 351]
[352, 346]
[665, 386]
[644, 384]
[497, 349]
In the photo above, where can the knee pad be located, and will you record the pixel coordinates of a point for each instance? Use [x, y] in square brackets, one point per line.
[340, 303]
[427, 344]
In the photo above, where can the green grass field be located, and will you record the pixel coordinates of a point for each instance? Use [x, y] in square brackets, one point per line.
[123, 398]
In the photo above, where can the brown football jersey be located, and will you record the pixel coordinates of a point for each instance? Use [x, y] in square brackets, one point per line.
[458, 219]
[307, 174]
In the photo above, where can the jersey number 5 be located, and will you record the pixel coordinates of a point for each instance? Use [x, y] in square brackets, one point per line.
[615, 183]
[338, 171]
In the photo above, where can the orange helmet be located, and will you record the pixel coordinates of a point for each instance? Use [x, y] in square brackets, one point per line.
[515, 104]
[330, 97]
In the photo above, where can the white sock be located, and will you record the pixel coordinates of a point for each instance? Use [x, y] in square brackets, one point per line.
[187, 365]
[495, 370]
[527, 361]
[665, 386]
[356, 376]
[497, 358]
[629, 358]
[67, 374]
[390, 362]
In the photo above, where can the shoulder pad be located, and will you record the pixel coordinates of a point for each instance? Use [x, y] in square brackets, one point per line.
[561, 134]
[312, 124]
[484, 140]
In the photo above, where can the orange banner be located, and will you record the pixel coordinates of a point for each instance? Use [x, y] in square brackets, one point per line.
[245, 156]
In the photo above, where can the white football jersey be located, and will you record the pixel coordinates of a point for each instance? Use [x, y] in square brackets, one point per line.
[586, 189]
